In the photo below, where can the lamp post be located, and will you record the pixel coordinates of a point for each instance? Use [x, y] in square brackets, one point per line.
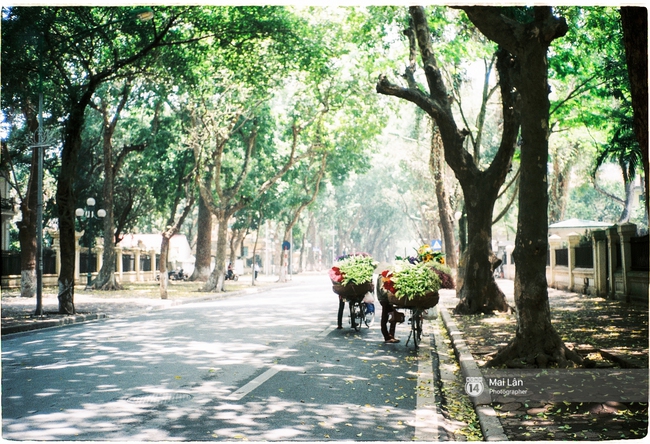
[87, 215]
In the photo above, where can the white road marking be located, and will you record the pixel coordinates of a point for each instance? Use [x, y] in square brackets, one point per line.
[252, 385]
[426, 414]
[261, 379]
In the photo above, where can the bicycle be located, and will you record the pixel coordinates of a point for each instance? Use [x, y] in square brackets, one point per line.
[416, 320]
[359, 315]
[417, 306]
[354, 295]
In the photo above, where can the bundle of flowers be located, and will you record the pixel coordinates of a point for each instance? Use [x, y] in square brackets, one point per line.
[424, 254]
[410, 281]
[444, 273]
[353, 269]
[436, 260]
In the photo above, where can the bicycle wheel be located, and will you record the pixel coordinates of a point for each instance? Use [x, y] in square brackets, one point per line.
[416, 326]
[369, 318]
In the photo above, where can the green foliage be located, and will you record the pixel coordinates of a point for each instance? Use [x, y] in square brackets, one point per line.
[586, 203]
[413, 280]
[356, 269]
[623, 148]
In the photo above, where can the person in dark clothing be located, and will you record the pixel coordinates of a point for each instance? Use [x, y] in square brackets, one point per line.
[386, 310]
[340, 315]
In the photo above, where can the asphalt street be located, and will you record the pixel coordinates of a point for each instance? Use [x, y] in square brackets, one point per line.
[259, 367]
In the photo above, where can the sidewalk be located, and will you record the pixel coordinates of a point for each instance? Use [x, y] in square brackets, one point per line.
[612, 334]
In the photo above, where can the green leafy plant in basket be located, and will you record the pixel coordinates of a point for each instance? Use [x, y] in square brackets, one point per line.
[353, 269]
[414, 280]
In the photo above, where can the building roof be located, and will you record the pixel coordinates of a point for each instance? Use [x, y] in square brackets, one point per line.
[579, 223]
[149, 242]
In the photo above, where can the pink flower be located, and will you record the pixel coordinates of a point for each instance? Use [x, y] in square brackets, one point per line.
[335, 274]
[386, 280]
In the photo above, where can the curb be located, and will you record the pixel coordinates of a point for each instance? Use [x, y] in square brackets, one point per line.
[490, 425]
[52, 323]
[83, 318]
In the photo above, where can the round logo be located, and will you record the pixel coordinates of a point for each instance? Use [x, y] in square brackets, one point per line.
[474, 386]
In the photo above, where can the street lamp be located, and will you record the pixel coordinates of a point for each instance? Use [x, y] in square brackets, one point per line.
[87, 215]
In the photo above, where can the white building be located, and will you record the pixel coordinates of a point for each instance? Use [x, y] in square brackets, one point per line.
[180, 253]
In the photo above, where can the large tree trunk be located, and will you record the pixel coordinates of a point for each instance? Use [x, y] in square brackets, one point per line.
[536, 342]
[635, 38]
[310, 263]
[164, 255]
[216, 280]
[303, 253]
[479, 292]
[232, 244]
[106, 279]
[203, 264]
[66, 201]
[437, 167]
[27, 234]
[629, 203]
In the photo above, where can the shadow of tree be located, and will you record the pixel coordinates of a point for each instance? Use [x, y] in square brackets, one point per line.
[167, 376]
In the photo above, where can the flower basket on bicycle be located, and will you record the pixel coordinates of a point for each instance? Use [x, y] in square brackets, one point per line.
[413, 286]
[352, 292]
[423, 301]
[351, 278]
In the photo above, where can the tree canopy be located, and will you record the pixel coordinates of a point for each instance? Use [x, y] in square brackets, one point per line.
[260, 100]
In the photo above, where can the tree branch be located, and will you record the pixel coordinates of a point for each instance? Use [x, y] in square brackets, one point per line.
[512, 35]
[514, 195]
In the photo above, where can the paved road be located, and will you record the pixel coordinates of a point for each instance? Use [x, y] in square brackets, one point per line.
[267, 366]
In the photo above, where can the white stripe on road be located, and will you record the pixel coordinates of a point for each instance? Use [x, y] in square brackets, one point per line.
[261, 379]
[426, 414]
[252, 385]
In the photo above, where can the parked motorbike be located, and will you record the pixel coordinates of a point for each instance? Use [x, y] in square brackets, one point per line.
[175, 275]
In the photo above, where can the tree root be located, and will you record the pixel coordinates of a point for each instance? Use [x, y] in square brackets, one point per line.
[111, 286]
[536, 354]
[497, 302]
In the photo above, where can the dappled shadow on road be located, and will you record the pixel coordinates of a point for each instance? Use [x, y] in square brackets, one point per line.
[163, 379]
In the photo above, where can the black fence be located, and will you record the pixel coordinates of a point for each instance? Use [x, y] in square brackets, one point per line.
[145, 263]
[10, 262]
[87, 262]
[584, 256]
[562, 257]
[128, 262]
[639, 249]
